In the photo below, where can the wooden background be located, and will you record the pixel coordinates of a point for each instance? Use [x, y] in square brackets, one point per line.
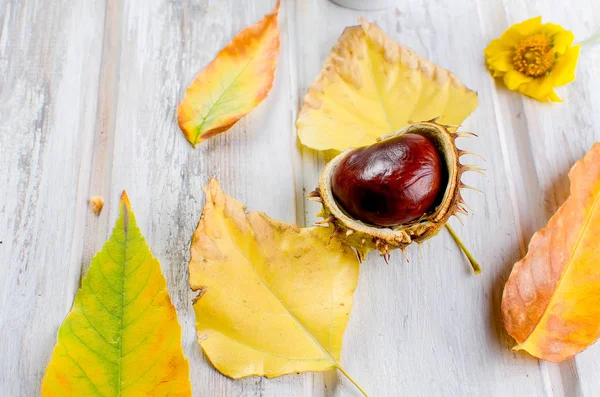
[88, 95]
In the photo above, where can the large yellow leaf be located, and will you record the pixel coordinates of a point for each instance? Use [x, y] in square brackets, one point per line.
[122, 337]
[370, 86]
[551, 301]
[233, 84]
[273, 298]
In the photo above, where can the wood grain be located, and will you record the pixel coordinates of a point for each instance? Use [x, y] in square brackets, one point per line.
[162, 47]
[557, 136]
[88, 94]
[410, 312]
[48, 94]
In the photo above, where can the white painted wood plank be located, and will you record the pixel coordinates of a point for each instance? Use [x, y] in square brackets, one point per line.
[98, 226]
[429, 327]
[49, 65]
[163, 46]
[422, 328]
[526, 195]
[558, 135]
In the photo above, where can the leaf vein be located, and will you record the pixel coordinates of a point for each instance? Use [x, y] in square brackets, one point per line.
[86, 345]
[285, 308]
[83, 372]
[217, 102]
[568, 265]
[173, 334]
[142, 312]
[99, 301]
[92, 325]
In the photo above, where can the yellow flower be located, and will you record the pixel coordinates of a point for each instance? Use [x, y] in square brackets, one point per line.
[533, 58]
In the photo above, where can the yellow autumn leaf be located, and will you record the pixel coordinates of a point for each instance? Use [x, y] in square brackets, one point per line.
[551, 301]
[273, 298]
[234, 83]
[122, 337]
[370, 86]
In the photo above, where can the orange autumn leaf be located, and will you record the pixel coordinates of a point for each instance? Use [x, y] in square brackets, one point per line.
[551, 302]
[233, 84]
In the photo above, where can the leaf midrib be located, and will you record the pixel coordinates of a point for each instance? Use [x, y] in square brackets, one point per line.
[287, 310]
[125, 232]
[242, 71]
[379, 95]
[567, 266]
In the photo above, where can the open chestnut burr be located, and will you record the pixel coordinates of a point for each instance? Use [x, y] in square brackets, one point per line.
[400, 190]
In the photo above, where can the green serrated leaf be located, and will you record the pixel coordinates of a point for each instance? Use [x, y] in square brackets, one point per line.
[122, 337]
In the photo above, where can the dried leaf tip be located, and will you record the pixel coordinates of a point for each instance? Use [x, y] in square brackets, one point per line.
[96, 204]
[125, 199]
[276, 9]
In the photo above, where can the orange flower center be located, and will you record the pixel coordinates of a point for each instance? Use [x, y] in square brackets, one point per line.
[534, 55]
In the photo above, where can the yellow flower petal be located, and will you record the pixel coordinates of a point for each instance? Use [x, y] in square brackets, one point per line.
[511, 37]
[551, 29]
[499, 52]
[496, 46]
[563, 71]
[552, 97]
[514, 79]
[525, 28]
[541, 88]
[500, 62]
[562, 41]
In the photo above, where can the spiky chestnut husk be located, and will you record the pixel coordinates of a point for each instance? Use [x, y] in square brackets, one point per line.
[365, 237]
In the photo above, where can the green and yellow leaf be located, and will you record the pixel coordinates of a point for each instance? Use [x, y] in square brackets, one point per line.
[551, 301]
[122, 337]
[273, 298]
[234, 83]
[370, 86]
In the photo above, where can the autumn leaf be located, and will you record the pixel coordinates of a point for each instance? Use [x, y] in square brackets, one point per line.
[551, 301]
[370, 86]
[233, 84]
[273, 298]
[122, 337]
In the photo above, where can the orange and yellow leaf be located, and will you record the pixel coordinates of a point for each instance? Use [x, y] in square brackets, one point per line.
[370, 86]
[551, 301]
[273, 298]
[233, 84]
[122, 337]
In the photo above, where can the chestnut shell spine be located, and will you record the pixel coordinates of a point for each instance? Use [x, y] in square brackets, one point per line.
[365, 237]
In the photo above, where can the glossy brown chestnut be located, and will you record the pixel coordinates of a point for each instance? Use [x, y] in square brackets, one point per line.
[391, 182]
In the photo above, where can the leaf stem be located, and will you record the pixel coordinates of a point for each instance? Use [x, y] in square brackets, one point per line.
[474, 263]
[590, 39]
[343, 371]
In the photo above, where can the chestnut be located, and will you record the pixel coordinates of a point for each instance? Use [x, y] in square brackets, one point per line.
[391, 182]
[398, 191]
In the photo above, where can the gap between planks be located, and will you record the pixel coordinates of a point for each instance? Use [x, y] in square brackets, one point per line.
[557, 378]
[97, 226]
